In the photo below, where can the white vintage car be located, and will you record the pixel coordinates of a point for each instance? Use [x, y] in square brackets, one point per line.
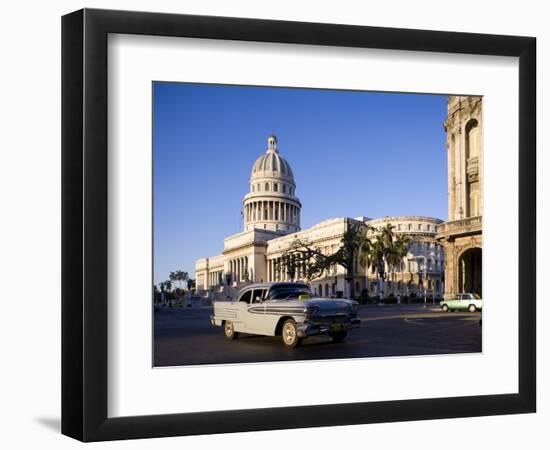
[287, 310]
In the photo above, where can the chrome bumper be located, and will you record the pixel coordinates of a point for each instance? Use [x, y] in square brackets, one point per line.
[312, 328]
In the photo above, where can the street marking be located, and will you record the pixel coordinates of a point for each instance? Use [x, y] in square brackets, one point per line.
[414, 321]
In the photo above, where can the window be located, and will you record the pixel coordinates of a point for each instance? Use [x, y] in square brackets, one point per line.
[398, 227]
[246, 297]
[252, 188]
[284, 188]
[290, 291]
[419, 226]
[276, 187]
[410, 226]
[258, 295]
[258, 187]
[267, 186]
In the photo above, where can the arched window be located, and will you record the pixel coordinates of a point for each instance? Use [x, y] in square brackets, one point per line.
[473, 142]
[320, 290]
[284, 188]
[276, 187]
[267, 186]
[326, 290]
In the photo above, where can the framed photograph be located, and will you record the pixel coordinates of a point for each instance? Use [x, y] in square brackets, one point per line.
[273, 224]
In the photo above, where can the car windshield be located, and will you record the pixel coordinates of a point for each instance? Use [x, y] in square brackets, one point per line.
[477, 297]
[287, 292]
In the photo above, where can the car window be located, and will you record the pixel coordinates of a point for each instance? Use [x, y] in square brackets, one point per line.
[258, 293]
[290, 292]
[246, 297]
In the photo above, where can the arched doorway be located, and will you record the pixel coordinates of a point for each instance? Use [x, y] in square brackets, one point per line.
[469, 271]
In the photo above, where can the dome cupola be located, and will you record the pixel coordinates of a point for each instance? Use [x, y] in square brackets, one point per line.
[271, 164]
[271, 203]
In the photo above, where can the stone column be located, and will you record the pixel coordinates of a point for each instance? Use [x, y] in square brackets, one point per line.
[458, 175]
[451, 188]
[241, 269]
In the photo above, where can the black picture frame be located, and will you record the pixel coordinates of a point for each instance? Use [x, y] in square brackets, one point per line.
[84, 224]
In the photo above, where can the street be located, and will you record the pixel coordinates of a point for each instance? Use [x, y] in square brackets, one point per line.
[184, 336]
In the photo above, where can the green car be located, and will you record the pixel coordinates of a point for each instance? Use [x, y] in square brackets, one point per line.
[462, 302]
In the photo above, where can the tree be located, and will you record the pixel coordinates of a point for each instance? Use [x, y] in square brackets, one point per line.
[301, 254]
[179, 276]
[190, 284]
[397, 250]
[156, 293]
[167, 285]
[376, 252]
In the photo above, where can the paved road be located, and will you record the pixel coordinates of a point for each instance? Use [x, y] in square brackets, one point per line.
[184, 336]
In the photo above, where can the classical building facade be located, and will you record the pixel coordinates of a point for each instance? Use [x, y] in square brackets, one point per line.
[461, 236]
[271, 216]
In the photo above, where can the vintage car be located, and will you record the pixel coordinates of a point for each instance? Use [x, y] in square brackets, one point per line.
[462, 302]
[287, 310]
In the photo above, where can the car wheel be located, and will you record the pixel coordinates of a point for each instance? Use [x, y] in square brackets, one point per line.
[445, 308]
[338, 336]
[289, 334]
[229, 331]
[472, 308]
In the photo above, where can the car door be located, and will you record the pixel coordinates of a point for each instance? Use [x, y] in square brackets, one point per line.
[240, 307]
[454, 303]
[255, 313]
[464, 301]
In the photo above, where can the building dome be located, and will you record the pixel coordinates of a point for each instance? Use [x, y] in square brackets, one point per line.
[271, 203]
[272, 164]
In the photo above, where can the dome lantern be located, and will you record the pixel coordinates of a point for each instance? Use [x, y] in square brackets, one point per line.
[272, 143]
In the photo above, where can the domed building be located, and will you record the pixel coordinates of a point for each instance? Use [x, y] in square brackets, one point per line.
[271, 213]
[271, 203]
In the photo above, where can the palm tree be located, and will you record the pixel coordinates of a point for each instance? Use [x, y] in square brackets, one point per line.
[179, 276]
[397, 250]
[173, 277]
[352, 243]
[377, 252]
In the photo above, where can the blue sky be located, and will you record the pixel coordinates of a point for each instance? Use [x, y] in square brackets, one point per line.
[352, 153]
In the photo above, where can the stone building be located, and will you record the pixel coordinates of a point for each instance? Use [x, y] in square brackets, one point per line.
[461, 236]
[271, 216]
